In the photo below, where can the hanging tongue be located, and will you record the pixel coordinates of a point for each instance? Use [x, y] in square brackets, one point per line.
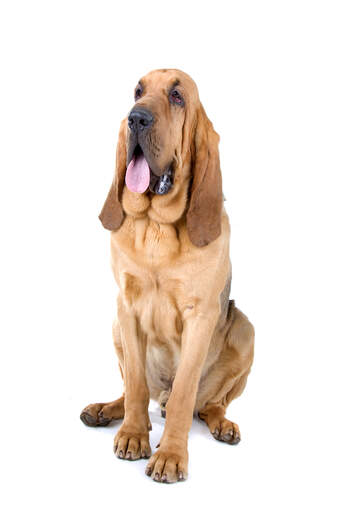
[137, 175]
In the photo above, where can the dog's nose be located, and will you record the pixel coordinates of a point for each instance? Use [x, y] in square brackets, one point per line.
[140, 119]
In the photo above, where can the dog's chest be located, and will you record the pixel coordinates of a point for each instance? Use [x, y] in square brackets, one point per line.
[155, 301]
[150, 268]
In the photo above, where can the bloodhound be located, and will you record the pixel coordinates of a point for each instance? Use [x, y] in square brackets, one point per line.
[178, 337]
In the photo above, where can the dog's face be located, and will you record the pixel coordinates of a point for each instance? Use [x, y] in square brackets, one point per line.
[167, 155]
[155, 132]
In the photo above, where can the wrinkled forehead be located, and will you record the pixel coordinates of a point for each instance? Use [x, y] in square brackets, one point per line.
[162, 80]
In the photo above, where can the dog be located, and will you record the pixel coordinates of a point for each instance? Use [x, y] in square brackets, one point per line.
[178, 337]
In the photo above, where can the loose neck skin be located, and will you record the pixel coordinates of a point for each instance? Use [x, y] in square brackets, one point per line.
[163, 209]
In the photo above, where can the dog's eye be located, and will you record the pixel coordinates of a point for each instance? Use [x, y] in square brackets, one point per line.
[175, 97]
[138, 92]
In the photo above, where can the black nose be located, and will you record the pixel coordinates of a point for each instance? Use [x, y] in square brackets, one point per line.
[140, 119]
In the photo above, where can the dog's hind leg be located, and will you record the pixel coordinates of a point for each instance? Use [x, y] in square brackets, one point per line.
[227, 378]
[213, 414]
[101, 414]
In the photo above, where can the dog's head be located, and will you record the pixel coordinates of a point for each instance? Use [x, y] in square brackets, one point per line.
[168, 151]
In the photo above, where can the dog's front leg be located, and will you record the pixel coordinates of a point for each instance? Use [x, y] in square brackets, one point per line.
[132, 440]
[169, 463]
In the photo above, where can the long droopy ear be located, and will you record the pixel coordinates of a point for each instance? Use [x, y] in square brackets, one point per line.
[206, 199]
[112, 214]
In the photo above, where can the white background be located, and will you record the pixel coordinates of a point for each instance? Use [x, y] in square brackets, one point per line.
[268, 73]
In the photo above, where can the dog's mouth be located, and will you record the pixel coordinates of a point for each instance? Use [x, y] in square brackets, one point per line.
[139, 176]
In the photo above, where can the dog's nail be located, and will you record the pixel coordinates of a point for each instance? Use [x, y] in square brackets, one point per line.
[236, 438]
[157, 477]
[164, 478]
[120, 454]
[181, 476]
[128, 456]
[148, 471]
[216, 433]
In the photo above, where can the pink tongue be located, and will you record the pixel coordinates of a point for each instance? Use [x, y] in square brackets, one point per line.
[137, 175]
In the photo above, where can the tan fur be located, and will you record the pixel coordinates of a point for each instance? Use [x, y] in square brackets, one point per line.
[179, 340]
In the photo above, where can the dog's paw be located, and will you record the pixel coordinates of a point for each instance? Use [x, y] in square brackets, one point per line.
[226, 431]
[132, 445]
[168, 466]
[96, 415]
[163, 399]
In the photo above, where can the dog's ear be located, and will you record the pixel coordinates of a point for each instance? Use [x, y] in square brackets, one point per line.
[206, 197]
[112, 214]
